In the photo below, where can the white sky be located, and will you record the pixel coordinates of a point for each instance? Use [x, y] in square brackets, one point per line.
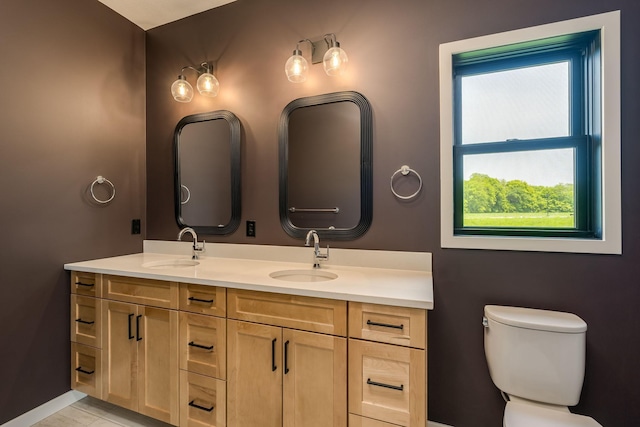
[524, 103]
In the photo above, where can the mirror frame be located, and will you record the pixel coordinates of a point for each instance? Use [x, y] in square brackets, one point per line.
[366, 165]
[235, 142]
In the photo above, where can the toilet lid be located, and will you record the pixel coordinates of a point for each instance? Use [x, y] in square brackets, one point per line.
[518, 414]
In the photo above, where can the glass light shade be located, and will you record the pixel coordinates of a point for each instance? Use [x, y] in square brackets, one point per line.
[208, 85]
[181, 90]
[296, 68]
[335, 61]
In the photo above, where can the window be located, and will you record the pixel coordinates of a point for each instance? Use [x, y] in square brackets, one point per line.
[527, 161]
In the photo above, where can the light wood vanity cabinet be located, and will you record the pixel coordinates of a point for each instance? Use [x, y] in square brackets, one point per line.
[287, 377]
[204, 356]
[387, 382]
[140, 351]
[86, 334]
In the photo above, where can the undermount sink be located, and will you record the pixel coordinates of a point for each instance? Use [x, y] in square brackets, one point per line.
[171, 263]
[304, 275]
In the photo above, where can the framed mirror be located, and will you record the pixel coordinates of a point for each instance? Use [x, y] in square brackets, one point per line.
[207, 172]
[325, 154]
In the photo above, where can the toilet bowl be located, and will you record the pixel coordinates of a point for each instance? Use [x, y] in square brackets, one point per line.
[536, 358]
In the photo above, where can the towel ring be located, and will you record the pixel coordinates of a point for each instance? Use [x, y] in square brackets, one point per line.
[101, 180]
[186, 189]
[406, 170]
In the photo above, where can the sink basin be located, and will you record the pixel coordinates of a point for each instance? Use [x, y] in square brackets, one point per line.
[171, 263]
[304, 275]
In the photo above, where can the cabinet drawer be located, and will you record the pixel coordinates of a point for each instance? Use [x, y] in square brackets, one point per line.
[203, 344]
[87, 284]
[157, 293]
[202, 401]
[297, 312]
[387, 383]
[203, 299]
[86, 320]
[385, 323]
[86, 369]
[358, 421]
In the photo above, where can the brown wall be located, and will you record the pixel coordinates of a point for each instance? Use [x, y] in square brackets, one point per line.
[72, 108]
[393, 52]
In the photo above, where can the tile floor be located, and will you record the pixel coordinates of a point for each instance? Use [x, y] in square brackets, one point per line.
[90, 412]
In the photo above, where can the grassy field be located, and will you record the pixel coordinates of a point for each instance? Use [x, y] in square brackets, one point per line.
[519, 219]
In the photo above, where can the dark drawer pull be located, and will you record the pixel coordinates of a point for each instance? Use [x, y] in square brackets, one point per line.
[85, 322]
[206, 301]
[90, 285]
[273, 355]
[384, 325]
[393, 387]
[130, 331]
[79, 369]
[286, 357]
[195, 405]
[138, 337]
[193, 344]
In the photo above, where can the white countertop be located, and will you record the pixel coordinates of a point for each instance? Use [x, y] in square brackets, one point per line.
[380, 277]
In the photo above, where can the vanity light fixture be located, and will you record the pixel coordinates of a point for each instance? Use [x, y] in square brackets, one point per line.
[207, 83]
[326, 50]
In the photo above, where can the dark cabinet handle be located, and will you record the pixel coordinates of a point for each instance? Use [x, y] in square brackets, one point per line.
[286, 357]
[130, 331]
[393, 387]
[138, 337]
[85, 322]
[273, 355]
[90, 285]
[193, 344]
[200, 407]
[206, 301]
[385, 325]
[79, 369]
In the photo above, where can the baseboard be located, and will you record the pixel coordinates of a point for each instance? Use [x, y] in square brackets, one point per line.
[435, 424]
[43, 411]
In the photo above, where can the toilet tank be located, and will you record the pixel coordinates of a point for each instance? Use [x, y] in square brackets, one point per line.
[535, 354]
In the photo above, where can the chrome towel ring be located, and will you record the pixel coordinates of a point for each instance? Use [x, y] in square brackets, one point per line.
[101, 180]
[406, 170]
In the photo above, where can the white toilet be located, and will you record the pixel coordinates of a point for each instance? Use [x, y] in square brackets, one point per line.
[536, 358]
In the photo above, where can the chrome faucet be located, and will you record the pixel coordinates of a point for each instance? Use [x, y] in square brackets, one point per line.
[317, 255]
[198, 248]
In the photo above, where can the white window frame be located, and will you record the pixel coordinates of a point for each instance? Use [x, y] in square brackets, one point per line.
[611, 240]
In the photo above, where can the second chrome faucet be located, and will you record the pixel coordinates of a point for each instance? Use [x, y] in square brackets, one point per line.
[198, 248]
[317, 255]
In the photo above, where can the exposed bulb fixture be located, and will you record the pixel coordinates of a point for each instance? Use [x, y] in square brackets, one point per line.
[326, 50]
[207, 84]
[182, 90]
[335, 59]
[296, 67]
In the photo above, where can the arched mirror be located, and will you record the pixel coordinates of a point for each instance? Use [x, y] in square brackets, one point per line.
[325, 150]
[207, 172]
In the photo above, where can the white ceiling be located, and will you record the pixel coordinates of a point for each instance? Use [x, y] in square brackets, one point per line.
[152, 13]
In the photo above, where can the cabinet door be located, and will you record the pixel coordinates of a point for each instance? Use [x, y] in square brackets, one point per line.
[254, 373]
[158, 382]
[315, 380]
[119, 354]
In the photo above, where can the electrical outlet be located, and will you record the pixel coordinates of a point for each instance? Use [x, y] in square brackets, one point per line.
[251, 229]
[135, 226]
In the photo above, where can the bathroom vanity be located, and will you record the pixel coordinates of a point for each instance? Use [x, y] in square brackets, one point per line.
[254, 336]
